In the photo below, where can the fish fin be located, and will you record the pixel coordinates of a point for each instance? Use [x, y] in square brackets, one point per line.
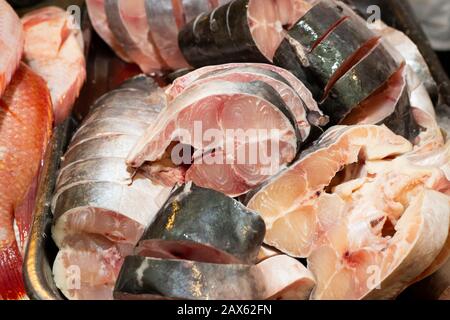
[11, 281]
[23, 215]
[65, 33]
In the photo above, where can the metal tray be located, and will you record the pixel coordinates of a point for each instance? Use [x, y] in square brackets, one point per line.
[105, 72]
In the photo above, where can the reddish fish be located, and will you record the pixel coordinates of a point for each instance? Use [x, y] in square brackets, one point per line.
[11, 43]
[25, 128]
[54, 50]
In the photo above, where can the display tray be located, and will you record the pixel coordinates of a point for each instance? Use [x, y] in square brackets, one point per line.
[105, 72]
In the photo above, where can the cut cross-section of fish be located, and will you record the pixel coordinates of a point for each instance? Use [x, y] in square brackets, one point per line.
[280, 84]
[277, 278]
[128, 22]
[99, 20]
[224, 230]
[11, 43]
[316, 116]
[408, 49]
[164, 32]
[385, 266]
[326, 48]
[360, 82]
[193, 8]
[203, 117]
[101, 207]
[54, 50]
[389, 105]
[240, 31]
[152, 278]
[294, 204]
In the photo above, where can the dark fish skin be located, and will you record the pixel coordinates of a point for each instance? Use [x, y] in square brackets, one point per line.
[317, 22]
[255, 88]
[287, 57]
[220, 222]
[359, 83]
[222, 36]
[178, 279]
[322, 42]
[402, 120]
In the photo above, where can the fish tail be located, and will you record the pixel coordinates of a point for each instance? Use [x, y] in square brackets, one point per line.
[11, 282]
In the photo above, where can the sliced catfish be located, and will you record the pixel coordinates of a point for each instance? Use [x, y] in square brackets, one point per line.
[383, 257]
[278, 278]
[240, 31]
[127, 20]
[315, 115]
[99, 20]
[324, 44]
[389, 105]
[360, 82]
[242, 133]
[224, 230]
[164, 29]
[280, 84]
[100, 206]
[408, 49]
[295, 204]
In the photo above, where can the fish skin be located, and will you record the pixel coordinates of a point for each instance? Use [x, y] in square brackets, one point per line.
[26, 121]
[151, 278]
[11, 43]
[164, 32]
[97, 15]
[225, 34]
[55, 52]
[100, 207]
[153, 144]
[297, 203]
[203, 45]
[320, 43]
[126, 30]
[277, 278]
[358, 84]
[221, 222]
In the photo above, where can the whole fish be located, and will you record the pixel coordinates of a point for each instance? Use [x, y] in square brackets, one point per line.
[54, 50]
[100, 206]
[25, 127]
[11, 43]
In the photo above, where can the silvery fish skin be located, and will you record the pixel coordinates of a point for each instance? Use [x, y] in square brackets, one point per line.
[100, 206]
[151, 278]
[220, 222]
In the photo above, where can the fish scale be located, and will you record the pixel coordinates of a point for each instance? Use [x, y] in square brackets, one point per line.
[25, 128]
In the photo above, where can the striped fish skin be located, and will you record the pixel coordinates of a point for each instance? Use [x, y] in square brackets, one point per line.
[100, 206]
